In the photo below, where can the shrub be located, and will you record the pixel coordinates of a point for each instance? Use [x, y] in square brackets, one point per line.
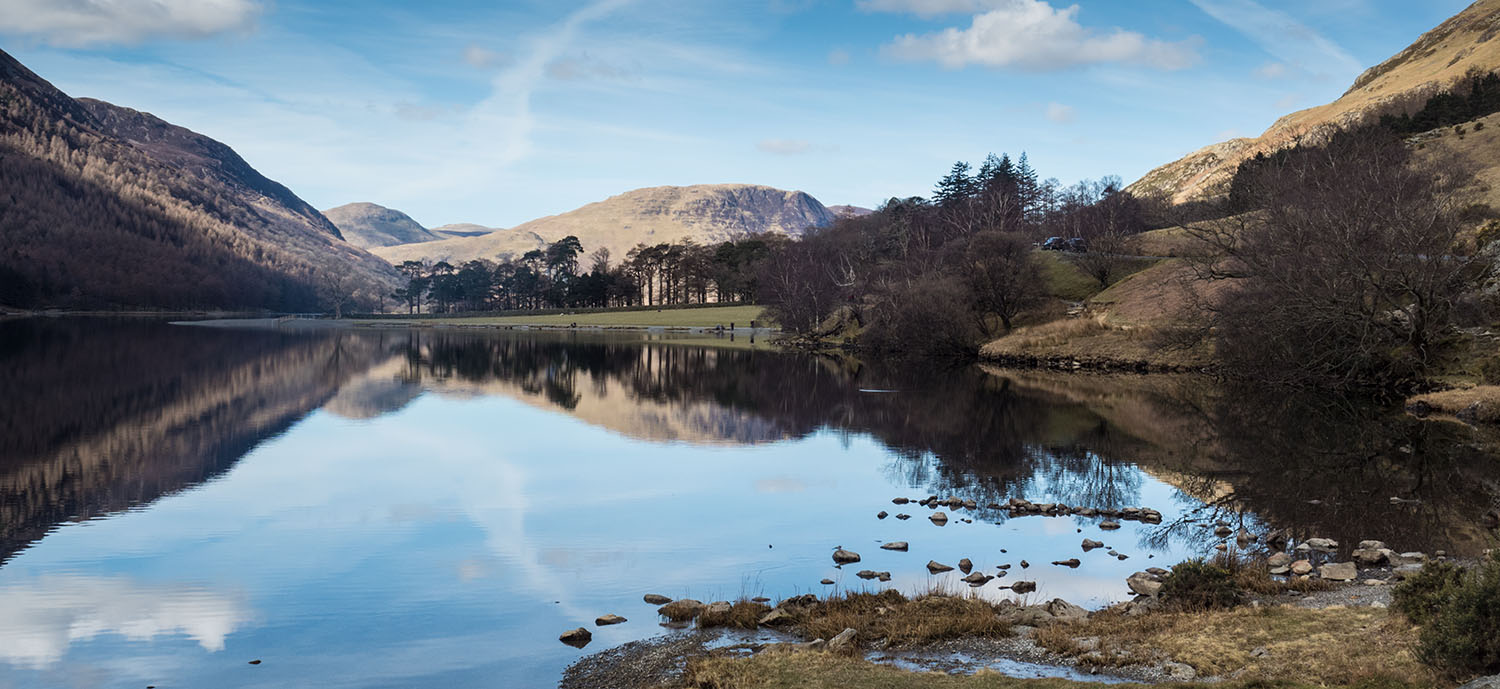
[1199, 585]
[1421, 596]
[1462, 634]
[1489, 370]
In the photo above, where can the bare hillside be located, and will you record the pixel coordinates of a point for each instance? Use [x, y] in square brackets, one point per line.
[1434, 63]
[706, 214]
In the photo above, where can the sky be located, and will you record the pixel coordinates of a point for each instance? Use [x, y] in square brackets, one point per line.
[500, 112]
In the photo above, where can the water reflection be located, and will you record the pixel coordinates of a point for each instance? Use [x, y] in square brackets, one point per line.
[424, 504]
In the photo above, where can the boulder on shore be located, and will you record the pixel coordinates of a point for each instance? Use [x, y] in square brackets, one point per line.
[1339, 571]
[1144, 584]
[843, 642]
[685, 609]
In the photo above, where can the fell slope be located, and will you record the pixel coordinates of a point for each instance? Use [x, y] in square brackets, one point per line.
[367, 225]
[1434, 63]
[103, 206]
[706, 214]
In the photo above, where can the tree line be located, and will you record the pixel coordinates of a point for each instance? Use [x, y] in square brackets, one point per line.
[941, 275]
[560, 275]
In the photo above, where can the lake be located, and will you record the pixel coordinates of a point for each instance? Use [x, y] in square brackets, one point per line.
[432, 508]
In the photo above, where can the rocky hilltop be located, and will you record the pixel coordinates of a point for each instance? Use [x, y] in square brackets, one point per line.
[1402, 84]
[367, 225]
[110, 207]
[706, 214]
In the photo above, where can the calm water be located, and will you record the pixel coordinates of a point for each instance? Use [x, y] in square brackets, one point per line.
[398, 509]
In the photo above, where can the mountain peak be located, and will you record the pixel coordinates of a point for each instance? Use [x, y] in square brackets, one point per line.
[368, 225]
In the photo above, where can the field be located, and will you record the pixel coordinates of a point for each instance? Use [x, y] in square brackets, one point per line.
[703, 317]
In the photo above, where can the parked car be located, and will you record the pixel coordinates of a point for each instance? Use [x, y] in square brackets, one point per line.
[1055, 244]
[1078, 244]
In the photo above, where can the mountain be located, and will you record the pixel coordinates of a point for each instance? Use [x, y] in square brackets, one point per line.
[367, 226]
[462, 229]
[706, 214]
[104, 206]
[1436, 62]
[849, 211]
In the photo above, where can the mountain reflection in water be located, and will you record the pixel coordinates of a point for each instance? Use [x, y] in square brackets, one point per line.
[431, 507]
[106, 415]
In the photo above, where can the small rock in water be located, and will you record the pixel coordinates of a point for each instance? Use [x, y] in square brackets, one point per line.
[866, 574]
[1090, 544]
[656, 599]
[1025, 564]
[826, 582]
[844, 557]
[965, 565]
[977, 579]
[883, 576]
[939, 518]
[967, 520]
[894, 545]
[1122, 556]
[1223, 530]
[760, 599]
[937, 567]
[1109, 525]
[903, 517]
[1070, 562]
[1004, 566]
[607, 620]
[577, 638]
[900, 501]
[257, 661]
[1023, 586]
[882, 514]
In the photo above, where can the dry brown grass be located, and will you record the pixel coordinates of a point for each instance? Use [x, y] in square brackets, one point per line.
[744, 614]
[1484, 400]
[1329, 647]
[1092, 339]
[825, 671]
[892, 616]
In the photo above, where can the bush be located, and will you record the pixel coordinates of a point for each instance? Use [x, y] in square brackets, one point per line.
[1198, 585]
[1420, 597]
[1460, 614]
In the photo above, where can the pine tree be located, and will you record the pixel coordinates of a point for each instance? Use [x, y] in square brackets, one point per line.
[955, 187]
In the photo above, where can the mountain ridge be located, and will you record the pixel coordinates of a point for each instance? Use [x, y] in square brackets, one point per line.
[704, 213]
[110, 207]
[1436, 61]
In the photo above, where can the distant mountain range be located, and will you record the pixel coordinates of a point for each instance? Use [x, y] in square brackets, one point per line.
[107, 207]
[1438, 61]
[705, 214]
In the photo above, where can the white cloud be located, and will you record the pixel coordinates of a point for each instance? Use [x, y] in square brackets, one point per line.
[1059, 113]
[931, 8]
[43, 618]
[77, 23]
[480, 57]
[785, 147]
[1285, 38]
[1271, 70]
[1030, 35]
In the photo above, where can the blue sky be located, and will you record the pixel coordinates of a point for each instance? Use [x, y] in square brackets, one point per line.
[500, 112]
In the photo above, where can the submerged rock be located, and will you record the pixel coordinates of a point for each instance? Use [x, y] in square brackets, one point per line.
[936, 567]
[577, 638]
